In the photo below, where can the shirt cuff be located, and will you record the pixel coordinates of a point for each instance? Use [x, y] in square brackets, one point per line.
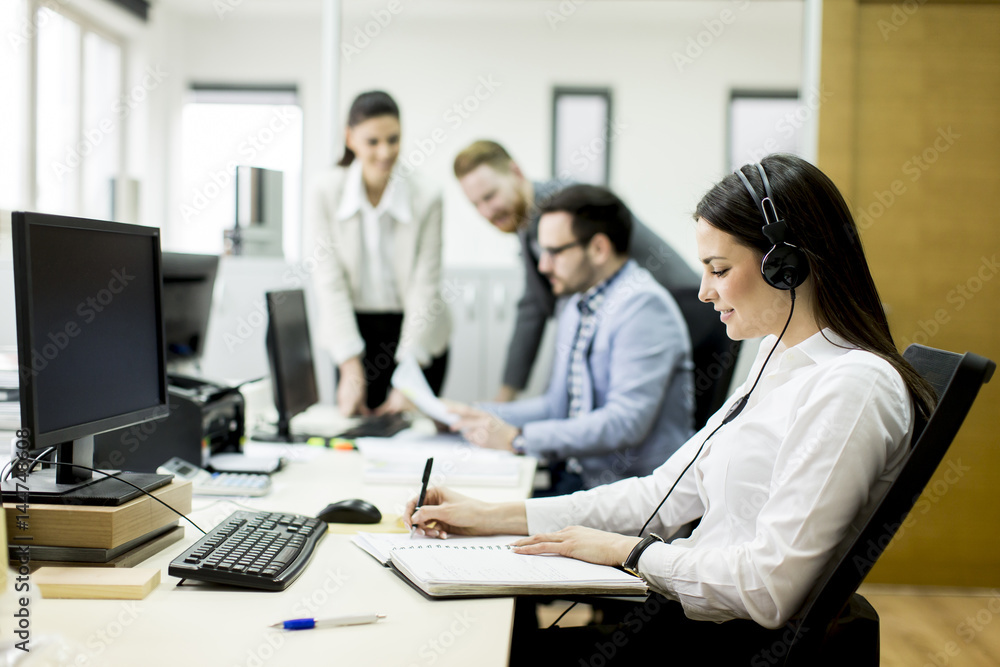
[656, 565]
[421, 355]
[531, 447]
[344, 351]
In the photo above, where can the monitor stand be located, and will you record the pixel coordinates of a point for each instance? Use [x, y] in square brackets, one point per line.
[66, 485]
[278, 436]
[282, 433]
[42, 488]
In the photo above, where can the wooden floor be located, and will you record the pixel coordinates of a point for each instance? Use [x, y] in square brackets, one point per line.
[936, 627]
[920, 627]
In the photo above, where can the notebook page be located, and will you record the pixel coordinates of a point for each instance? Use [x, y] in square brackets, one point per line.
[380, 545]
[498, 564]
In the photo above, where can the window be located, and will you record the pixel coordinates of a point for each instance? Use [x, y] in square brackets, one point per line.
[14, 26]
[74, 145]
[228, 127]
[761, 123]
[581, 135]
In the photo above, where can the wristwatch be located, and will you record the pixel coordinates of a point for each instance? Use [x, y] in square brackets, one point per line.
[518, 443]
[631, 564]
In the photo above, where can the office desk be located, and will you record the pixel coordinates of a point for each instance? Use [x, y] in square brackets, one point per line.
[211, 625]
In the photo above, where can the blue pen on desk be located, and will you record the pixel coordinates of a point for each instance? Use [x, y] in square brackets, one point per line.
[423, 489]
[310, 623]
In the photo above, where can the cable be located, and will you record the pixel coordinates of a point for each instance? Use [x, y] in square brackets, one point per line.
[113, 476]
[45, 452]
[231, 502]
[730, 416]
[565, 611]
[250, 381]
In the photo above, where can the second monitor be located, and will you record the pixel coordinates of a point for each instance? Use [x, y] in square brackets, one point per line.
[289, 354]
[293, 374]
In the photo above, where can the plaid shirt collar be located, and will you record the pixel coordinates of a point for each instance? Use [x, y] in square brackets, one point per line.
[591, 300]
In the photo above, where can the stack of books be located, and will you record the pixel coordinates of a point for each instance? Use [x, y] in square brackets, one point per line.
[83, 535]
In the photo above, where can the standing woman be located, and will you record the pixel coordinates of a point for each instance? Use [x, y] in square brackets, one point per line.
[376, 239]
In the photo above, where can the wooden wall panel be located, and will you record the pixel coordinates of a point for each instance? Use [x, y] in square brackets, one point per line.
[920, 156]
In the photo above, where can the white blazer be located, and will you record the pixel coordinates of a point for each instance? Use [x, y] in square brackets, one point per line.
[336, 247]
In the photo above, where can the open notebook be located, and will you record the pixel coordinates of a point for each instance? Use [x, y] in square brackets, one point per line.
[486, 566]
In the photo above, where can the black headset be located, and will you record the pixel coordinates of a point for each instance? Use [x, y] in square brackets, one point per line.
[784, 266]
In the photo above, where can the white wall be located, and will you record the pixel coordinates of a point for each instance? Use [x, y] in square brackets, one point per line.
[671, 147]
[433, 55]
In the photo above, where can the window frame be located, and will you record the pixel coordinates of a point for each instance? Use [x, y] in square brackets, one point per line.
[86, 25]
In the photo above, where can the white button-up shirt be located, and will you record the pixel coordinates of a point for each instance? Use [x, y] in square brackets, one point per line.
[378, 293]
[776, 488]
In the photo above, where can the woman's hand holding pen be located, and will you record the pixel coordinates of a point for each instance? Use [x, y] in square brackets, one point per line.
[446, 512]
[589, 544]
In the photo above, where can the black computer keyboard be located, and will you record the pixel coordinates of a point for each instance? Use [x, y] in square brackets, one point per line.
[265, 550]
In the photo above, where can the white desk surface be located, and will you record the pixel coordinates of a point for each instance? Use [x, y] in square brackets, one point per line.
[214, 625]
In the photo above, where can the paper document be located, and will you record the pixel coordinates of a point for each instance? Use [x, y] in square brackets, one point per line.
[409, 379]
[401, 459]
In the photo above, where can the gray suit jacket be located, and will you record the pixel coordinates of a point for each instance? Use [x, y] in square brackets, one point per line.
[537, 303]
[637, 389]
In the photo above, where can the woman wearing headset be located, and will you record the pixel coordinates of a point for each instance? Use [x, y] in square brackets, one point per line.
[376, 239]
[778, 474]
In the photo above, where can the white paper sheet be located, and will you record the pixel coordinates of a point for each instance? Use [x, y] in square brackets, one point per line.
[409, 379]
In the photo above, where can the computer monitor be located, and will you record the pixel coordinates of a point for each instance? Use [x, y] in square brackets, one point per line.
[188, 283]
[90, 347]
[289, 352]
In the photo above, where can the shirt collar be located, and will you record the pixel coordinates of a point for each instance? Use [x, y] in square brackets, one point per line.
[826, 344]
[821, 346]
[591, 300]
[395, 200]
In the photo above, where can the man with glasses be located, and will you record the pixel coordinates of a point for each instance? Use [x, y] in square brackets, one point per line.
[620, 398]
[501, 193]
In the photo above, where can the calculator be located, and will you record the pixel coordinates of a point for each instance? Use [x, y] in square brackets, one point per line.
[217, 483]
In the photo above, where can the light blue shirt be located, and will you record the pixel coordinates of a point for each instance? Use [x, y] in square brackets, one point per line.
[637, 392]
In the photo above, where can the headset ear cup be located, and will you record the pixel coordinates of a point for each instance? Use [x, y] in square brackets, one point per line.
[784, 267]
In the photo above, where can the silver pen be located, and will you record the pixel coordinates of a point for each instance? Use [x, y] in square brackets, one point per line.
[310, 623]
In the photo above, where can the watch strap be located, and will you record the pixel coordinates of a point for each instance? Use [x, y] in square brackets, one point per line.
[631, 564]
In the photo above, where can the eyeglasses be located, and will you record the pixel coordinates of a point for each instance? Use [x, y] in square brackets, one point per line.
[552, 252]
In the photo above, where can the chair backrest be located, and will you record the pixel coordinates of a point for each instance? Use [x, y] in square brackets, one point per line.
[957, 379]
[713, 352]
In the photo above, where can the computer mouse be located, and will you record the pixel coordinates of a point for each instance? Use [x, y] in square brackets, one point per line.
[352, 510]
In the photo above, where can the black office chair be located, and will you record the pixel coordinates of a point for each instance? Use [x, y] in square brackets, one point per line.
[836, 626]
[713, 352]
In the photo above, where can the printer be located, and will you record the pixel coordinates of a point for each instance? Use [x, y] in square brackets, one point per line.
[205, 419]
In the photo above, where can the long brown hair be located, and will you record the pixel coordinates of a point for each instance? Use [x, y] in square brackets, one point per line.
[820, 223]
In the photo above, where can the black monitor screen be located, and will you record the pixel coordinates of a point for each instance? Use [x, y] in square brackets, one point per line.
[290, 354]
[188, 282]
[90, 337]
